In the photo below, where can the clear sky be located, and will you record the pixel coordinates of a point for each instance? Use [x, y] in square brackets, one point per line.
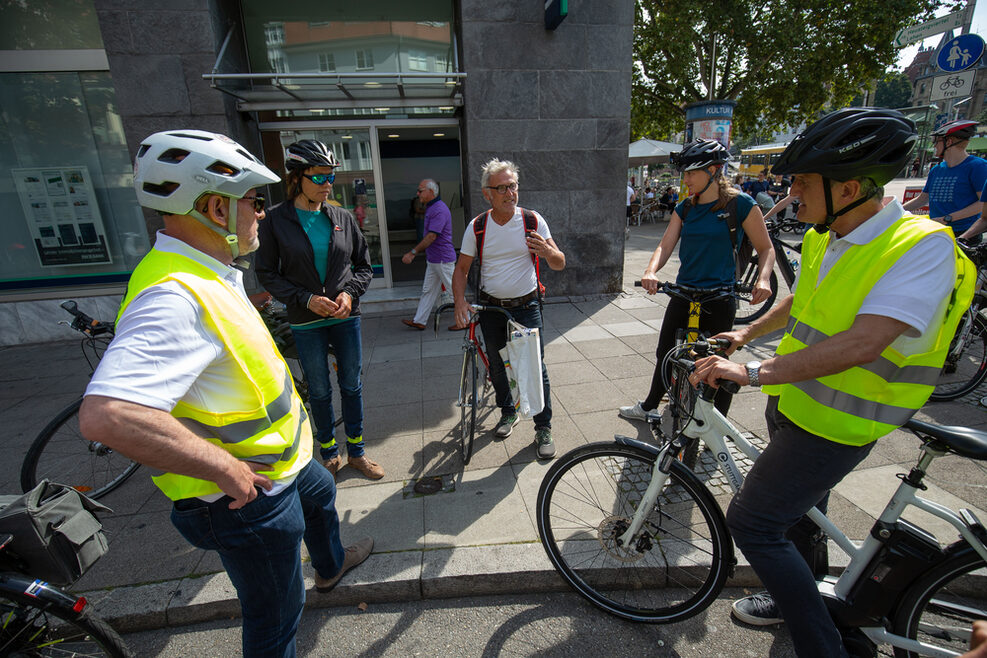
[979, 26]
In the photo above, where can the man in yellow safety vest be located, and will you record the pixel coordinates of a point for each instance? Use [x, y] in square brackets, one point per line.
[193, 387]
[879, 296]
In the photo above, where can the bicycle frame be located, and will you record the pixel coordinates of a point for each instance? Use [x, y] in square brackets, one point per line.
[712, 428]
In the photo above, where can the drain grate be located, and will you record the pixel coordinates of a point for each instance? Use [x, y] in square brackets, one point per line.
[429, 485]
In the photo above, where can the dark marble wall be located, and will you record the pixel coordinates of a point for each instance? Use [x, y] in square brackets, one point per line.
[557, 103]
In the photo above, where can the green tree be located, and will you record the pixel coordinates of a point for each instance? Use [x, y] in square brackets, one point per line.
[782, 61]
[893, 91]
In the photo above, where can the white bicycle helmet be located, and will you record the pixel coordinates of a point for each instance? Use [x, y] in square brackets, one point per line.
[176, 167]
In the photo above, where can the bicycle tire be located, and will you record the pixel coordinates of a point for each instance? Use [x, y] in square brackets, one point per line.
[964, 372]
[61, 454]
[30, 627]
[685, 401]
[467, 405]
[678, 567]
[942, 605]
[747, 311]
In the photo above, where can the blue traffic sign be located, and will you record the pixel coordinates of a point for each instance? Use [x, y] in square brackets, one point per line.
[960, 53]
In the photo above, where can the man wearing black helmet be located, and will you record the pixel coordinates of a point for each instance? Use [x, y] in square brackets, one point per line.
[866, 334]
[954, 186]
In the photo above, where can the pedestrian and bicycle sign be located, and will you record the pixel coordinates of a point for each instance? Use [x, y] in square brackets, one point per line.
[952, 85]
[960, 53]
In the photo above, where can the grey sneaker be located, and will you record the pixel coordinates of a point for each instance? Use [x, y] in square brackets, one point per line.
[758, 610]
[505, 426]
[633, 412]
[543, 439]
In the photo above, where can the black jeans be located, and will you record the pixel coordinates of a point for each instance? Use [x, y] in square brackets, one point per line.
[716, 316]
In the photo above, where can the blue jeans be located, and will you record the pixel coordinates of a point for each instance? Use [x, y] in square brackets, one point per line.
[313, 353]
[494, 327]
[260, 546]
[793, 474]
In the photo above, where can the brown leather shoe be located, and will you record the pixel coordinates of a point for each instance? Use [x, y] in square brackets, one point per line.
[414, 325]
[333, 464]
[354, 556]
[370, 469]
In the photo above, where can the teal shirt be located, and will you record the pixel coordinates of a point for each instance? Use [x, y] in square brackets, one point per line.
[318, 228]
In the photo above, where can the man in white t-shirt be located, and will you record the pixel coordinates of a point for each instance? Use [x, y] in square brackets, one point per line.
[193, 387]
[631, 198]
[509, 280]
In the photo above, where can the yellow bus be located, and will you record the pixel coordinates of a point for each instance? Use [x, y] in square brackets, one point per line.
[755, 159]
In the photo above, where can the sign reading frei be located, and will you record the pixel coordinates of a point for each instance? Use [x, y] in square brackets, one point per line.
[931, 28]
[952, 85]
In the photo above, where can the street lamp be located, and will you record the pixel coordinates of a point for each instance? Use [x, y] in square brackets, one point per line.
[956, 105]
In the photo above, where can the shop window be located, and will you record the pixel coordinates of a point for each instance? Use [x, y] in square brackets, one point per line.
[70, 213]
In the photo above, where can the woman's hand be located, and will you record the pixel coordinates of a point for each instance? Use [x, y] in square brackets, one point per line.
[650, 283]
[344, 304]
[760, 293]
[322, 305]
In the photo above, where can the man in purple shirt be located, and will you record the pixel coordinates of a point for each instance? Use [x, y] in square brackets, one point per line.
[439, 252]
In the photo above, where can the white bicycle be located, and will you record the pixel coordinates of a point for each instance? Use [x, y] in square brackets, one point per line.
[635, 532]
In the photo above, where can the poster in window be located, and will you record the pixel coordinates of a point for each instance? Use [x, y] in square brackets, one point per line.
[62, 215]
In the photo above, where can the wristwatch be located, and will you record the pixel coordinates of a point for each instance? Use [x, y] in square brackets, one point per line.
[413, 252]
[947, 219]
[753, 372]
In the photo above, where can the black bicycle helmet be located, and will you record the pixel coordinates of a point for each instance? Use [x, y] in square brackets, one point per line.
[307, 153]
[962, 130]
[699, 154]
[851, 143]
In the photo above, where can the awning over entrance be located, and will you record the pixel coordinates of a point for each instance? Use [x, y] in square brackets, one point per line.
[650, 151]
[309, 91]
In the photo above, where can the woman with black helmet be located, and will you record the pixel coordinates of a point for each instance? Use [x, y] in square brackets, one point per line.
[706, 256]
[314, 259]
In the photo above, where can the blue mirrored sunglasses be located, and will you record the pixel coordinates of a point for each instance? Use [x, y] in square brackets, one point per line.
[320, 179]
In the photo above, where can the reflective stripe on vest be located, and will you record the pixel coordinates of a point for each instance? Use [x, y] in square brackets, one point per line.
[867, 401]
[272, 427]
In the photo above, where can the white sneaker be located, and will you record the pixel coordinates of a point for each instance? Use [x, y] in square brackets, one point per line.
[633, 412]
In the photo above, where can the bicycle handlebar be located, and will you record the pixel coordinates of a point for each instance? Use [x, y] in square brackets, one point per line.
[690, 294]
[681, 354]
[474, 308]
[85, 324]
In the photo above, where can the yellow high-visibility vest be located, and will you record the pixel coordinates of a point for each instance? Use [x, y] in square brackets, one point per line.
[273, 428]
[865, 402]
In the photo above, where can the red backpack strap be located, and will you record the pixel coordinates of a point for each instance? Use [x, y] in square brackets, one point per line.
[479, 232]
[531, 224]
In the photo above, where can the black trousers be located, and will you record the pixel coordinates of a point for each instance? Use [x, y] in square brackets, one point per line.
[715, 316]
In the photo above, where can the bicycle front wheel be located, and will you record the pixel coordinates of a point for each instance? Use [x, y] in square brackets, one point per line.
[747, 311]
[29, 627]
[61, 454]
[942, 606]
[468, 401]
[964, 372]
[676, 566]
[682, 401]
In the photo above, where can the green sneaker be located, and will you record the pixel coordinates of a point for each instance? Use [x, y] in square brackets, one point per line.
[543, 438]
[505, 426]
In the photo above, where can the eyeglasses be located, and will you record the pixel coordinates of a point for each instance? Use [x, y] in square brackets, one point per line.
[502, 189]
[256, 201]
[320, 179]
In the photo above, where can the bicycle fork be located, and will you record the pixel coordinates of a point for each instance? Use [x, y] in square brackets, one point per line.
[659, 476]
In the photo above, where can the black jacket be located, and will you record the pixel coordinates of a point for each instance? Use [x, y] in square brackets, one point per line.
[285, 262]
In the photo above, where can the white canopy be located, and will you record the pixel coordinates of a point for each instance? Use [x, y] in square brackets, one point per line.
[650, 151]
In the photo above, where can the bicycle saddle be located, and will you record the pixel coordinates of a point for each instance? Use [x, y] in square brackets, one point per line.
[964, 441]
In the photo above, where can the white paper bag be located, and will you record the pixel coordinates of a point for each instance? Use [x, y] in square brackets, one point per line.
[522, 358]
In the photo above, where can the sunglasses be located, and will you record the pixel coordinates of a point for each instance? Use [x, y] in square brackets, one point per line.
[256, 201]
[320, 179]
